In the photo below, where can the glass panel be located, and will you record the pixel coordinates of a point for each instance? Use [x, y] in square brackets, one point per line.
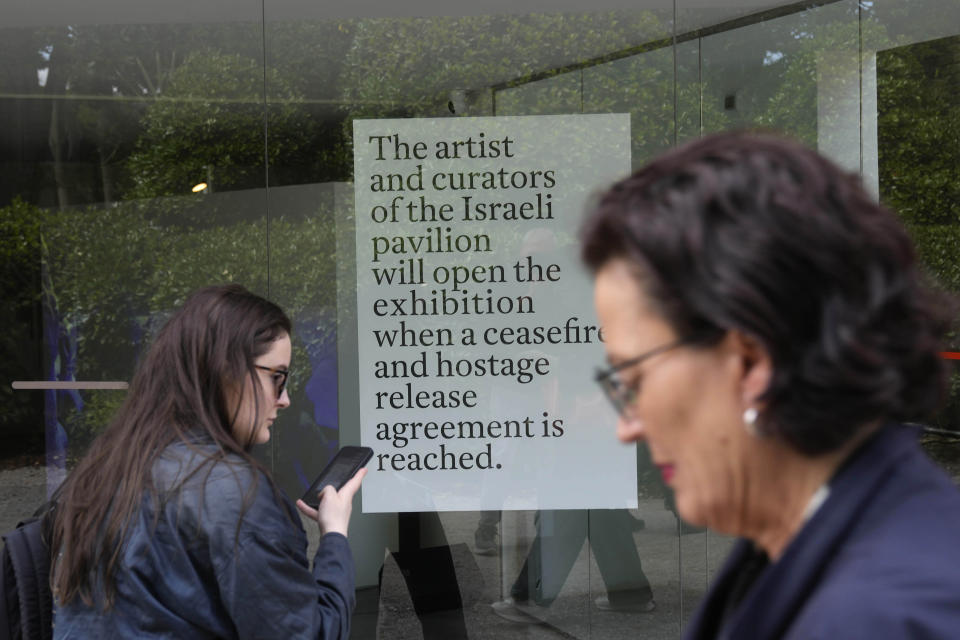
[559, 94]
[786, 69]
[690, 106]
[634, 554]
[115, 113]
[111, 127]
[794, 73]
[523, 63]
[911, 116]
[643, 86]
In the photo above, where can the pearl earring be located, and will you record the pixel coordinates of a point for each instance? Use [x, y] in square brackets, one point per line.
[750, 420]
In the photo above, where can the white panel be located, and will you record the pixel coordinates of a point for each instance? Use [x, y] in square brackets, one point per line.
[509, 240]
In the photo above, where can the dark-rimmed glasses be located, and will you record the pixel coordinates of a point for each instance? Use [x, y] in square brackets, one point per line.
[621, 395]
[279, 377]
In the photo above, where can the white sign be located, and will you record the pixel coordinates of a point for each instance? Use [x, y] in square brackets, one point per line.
[476, 327]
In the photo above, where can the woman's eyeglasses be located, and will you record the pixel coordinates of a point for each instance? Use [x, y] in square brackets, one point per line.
[621, 395]
[279, 377]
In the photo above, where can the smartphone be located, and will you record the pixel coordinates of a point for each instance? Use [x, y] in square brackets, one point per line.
[344, 466]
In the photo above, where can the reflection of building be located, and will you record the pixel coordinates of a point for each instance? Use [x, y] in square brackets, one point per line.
[111, 120]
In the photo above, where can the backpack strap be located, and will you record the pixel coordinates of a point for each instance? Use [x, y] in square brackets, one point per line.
[9, 603]
[30, 558]
[40, 550]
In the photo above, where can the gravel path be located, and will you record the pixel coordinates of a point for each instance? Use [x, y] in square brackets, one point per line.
[23, 490]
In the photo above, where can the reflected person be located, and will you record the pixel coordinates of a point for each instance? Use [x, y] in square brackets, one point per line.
[560, 535]
[553, 554]
[769, 336]
[540, 246]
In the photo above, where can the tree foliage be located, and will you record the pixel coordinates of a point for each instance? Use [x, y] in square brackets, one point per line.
[919, 133]
[209, 126]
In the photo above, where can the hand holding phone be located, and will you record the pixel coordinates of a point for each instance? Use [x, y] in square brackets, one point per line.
[338, 471]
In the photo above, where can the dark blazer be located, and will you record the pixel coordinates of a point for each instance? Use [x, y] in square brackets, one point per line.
[879, 559]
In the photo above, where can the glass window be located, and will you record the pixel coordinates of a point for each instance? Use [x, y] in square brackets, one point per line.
[151, 150]
[911, 128]
[136, 159]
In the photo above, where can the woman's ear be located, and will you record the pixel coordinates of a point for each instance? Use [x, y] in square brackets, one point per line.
[757, 367]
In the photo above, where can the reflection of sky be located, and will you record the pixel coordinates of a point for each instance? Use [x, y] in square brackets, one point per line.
[772, 57]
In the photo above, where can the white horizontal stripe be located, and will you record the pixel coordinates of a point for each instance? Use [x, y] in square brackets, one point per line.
[67, 384]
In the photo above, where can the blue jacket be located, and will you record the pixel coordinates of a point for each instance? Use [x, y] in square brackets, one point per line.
[880, 559]
[196, 574]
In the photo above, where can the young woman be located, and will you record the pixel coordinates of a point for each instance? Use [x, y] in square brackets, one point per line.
[168, 527]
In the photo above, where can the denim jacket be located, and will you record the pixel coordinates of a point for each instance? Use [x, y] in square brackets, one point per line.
[201, 564]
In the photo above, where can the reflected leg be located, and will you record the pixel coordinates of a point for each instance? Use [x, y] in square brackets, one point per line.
[485, 537]
[560, 535]
[613, 546]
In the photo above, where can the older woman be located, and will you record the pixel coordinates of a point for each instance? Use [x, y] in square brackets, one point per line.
[767, 331]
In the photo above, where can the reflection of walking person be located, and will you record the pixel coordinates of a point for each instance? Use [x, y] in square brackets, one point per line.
[539, 243]
[553, 555]
[485, 537]
[560, 537]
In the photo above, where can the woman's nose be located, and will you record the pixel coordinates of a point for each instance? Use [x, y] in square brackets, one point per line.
[284, 400]
[630, 429]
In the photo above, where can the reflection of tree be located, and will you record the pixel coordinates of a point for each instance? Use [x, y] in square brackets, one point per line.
[786, 59]
[95, 84]
[20, 225]
[109, 272]
[209, 127]
[428, 58]
[919, 148]
[78, 279]
[138, 114]
[919, 131]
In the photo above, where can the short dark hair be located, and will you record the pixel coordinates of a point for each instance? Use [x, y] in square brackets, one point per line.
[754, 232]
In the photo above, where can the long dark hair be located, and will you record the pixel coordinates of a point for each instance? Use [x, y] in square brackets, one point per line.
[187, 388]
[754, 232]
